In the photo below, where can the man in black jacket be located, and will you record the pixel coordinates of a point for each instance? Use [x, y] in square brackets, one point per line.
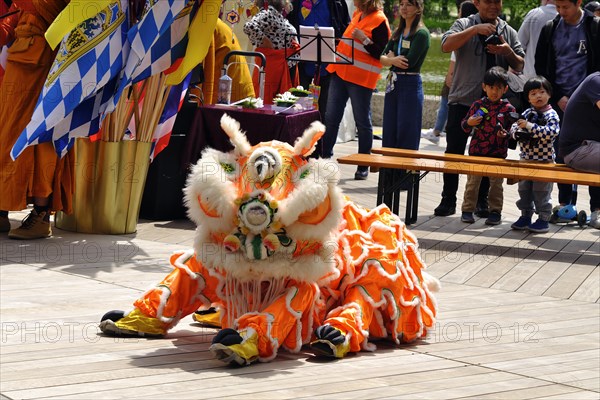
[568, 50]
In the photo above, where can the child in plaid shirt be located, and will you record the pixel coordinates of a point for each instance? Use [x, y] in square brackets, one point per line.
[487, 119]
[536, 131]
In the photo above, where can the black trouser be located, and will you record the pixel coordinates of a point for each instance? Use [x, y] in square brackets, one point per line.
[456, 140]
[567, 193]
[594, 198]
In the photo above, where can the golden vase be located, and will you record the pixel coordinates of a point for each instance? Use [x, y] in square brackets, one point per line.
[109, 183]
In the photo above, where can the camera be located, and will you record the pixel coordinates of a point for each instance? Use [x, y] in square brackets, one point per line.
[523, 135]
[494, 39]
[510, 119]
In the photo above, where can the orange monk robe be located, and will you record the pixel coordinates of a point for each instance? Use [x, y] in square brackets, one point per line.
[38, 172]
[224, 41]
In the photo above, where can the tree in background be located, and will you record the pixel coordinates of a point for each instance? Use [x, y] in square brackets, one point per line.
[440, 14]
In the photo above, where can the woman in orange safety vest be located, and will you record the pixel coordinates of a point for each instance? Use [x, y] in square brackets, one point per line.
[369, 32]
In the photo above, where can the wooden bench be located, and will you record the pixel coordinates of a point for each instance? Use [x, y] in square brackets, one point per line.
[420, 163]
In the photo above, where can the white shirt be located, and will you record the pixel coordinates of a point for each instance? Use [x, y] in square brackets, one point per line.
[529, 33]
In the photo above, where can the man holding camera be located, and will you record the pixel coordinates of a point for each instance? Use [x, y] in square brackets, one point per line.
[480, 41]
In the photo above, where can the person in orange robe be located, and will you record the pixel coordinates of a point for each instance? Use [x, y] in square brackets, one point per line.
[38, 176]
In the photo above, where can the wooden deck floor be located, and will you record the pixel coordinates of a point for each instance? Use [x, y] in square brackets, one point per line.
[519, 318]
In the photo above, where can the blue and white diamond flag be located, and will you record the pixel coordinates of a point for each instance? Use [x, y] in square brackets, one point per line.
[157, 40]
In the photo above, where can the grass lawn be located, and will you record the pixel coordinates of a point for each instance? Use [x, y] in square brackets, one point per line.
[433, 70]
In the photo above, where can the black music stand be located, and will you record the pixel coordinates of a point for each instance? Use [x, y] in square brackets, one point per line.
[323, 46]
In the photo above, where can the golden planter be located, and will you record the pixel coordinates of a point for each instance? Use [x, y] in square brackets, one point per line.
[109, 183]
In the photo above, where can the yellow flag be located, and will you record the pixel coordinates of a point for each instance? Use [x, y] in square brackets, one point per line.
[75, 13]
[199, 35]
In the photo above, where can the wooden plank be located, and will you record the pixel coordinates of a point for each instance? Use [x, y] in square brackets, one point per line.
[515, 354]
[484, 253]
[493, 272]
[218, 377]
[479, 389]
[541, 304]
[453, 347]
[548, 273]
[388, 151]
[322, 388]
[453, 167]
[569, 376]
[474, 348]
[531, 393]
[391, 385]
[591, 384]
[522, 271]
[542, 360]
[589, 290]
[580, 395]
[568, 283]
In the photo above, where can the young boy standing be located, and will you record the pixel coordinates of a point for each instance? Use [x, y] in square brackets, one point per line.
[487, 119]
[536, 133]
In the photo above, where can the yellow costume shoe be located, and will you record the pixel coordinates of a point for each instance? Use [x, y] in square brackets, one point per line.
[235, 348]
[331, 342]
[116, 323]
[210, 318]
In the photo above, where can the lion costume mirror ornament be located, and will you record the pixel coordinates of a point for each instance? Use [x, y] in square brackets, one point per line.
[286, 260]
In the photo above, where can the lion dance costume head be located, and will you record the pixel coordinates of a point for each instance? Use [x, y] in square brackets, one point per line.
[286, 260]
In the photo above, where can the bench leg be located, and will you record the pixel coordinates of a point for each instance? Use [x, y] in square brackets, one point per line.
[381, 186]
[396, 202]
[415, 203]
[388, 192]
[412, 198]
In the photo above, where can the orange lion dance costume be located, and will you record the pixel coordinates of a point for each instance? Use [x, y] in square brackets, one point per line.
[286, 259]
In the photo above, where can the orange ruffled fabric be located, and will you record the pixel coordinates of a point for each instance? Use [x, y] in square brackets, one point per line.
[382, 276]
[379, 292]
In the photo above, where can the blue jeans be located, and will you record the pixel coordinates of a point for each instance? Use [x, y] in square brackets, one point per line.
[442, 115]
[403, 113]
[535, 197]
[360, 98]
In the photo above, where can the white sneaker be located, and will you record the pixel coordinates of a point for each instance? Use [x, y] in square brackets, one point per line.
[432, 137]
[595, 220]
